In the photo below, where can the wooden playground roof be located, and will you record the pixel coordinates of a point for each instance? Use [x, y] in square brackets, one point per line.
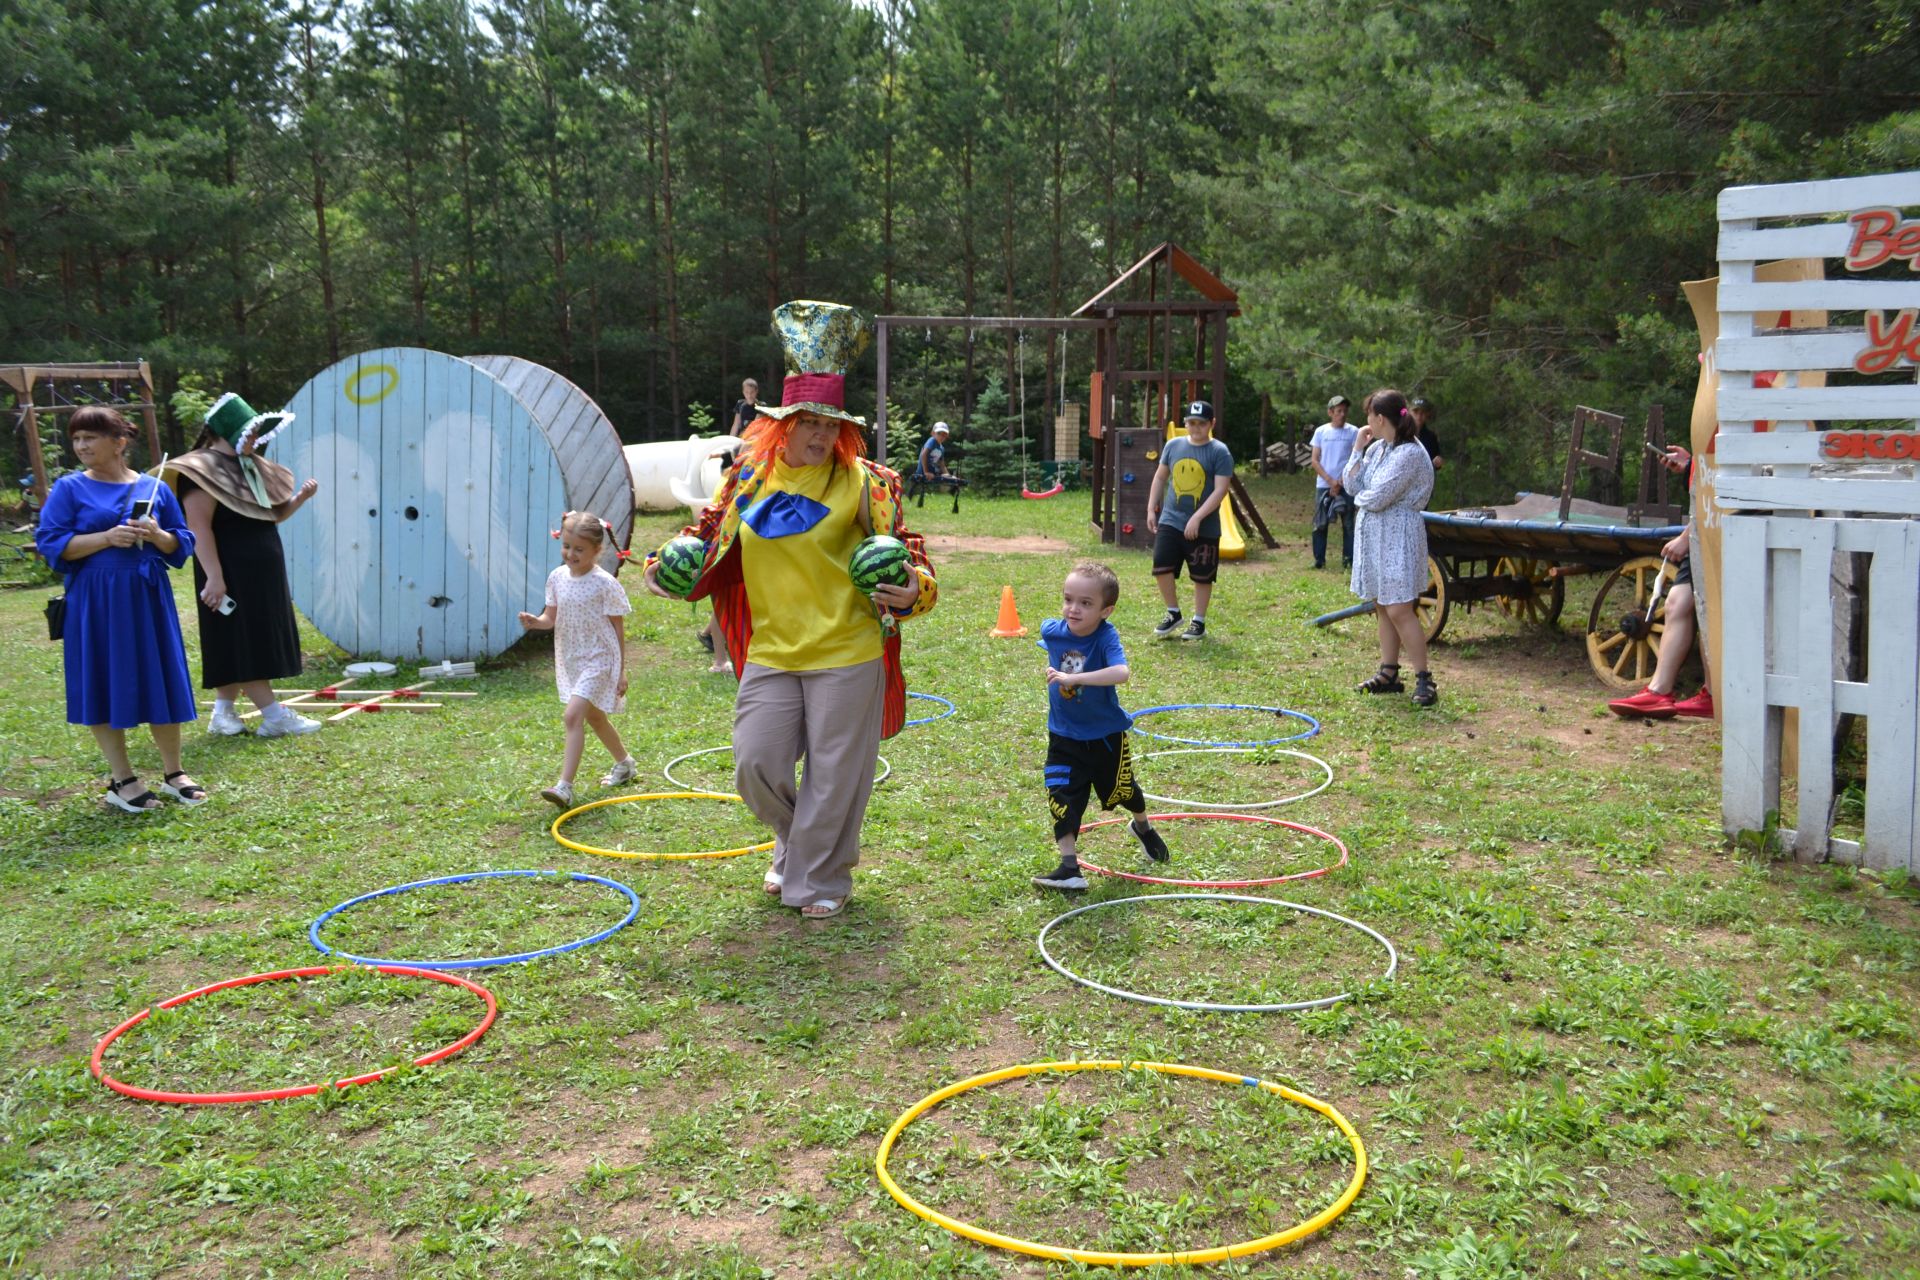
[1204, 282]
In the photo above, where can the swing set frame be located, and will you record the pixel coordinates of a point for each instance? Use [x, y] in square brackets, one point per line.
[1124, 403]
[883, 324]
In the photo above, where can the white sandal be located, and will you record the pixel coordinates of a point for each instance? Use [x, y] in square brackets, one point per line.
[772, 885]
[142, 802]
[623, 772]
[825, 909]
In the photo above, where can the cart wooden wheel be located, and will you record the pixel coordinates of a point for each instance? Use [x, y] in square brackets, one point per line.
[1622, 643]
[1431, 607]
[1540, 603]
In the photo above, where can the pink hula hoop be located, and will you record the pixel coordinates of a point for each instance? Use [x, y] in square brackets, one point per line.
[1332, 839]
[298, 1090]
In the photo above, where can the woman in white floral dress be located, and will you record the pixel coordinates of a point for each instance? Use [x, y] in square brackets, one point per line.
[1391, 478]
[586, 610]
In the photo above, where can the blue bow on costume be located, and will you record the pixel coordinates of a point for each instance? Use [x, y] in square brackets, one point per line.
[783, 515]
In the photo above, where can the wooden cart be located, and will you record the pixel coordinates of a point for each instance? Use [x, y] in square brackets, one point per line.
[1520, 555]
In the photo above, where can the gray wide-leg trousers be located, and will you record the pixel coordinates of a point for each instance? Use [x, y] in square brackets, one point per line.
[832, 719]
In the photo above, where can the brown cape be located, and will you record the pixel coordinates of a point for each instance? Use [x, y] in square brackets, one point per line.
[216, 468]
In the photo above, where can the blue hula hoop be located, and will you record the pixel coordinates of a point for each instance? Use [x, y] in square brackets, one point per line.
[633, 912]
[929, 697]
[1313, 726]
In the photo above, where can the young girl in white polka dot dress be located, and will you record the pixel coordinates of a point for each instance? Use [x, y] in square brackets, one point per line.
[586, 610]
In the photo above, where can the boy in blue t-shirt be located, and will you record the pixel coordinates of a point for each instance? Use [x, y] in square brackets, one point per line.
[1086, 725]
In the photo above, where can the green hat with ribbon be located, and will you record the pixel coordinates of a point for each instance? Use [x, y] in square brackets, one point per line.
[235, 421]
[820, 341]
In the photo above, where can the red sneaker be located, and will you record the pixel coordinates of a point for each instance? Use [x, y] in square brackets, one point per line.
[1699, 706]
[1654, 706]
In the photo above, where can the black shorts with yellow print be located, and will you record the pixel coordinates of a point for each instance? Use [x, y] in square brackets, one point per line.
[1076, 767]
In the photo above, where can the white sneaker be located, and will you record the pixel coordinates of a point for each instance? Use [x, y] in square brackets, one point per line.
[560, 795]
[225, 723]
[287, 724]
[621, 774]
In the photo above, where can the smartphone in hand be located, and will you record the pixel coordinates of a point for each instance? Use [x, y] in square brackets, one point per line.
[142, 508]
[226, 606]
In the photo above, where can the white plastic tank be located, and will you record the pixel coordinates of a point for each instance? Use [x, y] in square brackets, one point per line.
[669, 474]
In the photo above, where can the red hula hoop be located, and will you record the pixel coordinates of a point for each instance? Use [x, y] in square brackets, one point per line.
[300, 1090]
[1223, 884]
[1057, 488]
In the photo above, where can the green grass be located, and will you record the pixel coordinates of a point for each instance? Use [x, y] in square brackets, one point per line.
[1614, 1046]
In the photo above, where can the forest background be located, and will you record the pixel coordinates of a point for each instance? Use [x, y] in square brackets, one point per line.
[1491, 202]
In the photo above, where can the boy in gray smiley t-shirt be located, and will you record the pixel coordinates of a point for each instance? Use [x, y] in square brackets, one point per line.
[1184, 505]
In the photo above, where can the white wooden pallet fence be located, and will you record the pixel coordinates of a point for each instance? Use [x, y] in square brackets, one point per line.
[1775, 480]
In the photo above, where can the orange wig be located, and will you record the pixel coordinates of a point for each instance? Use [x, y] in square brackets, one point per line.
[767, 440]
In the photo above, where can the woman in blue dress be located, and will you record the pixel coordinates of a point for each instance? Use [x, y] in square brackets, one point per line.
[125, 662]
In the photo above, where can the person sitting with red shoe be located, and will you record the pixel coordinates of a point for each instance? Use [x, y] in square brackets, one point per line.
[1657, 701]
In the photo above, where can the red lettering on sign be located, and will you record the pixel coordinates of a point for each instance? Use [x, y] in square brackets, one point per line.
[1899, 446]
[1889, 341]
[1879, 236]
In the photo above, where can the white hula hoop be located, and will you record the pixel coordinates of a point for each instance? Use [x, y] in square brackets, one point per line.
[886, 770]
[1208, 1006]
[1237, 751]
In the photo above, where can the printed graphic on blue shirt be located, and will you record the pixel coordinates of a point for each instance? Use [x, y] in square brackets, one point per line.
[1083, 711]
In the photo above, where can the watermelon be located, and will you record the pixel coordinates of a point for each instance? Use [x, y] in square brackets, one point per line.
[877, 560]
[679, 563]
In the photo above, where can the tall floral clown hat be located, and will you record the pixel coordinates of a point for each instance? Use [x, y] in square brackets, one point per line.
[820, 340]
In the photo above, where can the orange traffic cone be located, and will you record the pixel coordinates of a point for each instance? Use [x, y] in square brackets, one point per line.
[1009, 623]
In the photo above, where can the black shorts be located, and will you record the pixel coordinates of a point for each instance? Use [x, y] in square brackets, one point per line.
[1077, 768]
[1172, 548]
[1683, 572]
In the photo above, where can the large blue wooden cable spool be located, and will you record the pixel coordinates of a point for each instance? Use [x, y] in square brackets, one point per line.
[441, 481]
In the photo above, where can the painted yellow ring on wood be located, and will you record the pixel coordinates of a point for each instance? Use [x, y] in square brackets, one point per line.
[1095, 1257]
[387, 371]
[661, 857]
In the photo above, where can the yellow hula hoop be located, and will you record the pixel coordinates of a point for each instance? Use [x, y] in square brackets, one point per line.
[657, 857]
[1095, 1257]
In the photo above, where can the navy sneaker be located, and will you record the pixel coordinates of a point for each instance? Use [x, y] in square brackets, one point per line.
[1196, 630]
[1150, 843]
[1065, 876]
[1168, 625]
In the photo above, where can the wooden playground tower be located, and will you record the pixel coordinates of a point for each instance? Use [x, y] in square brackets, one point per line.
[1129, 407]
[56, 390]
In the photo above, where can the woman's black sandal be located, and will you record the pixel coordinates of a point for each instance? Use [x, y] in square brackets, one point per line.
[141, 803]
[188, 794]
[1425, 691]
[1385, 680]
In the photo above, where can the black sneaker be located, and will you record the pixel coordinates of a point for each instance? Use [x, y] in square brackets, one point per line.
[1168, 625]
[1065, 876]
[1150, 843]
[1196, 630]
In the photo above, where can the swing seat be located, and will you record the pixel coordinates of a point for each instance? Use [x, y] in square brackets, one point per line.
[1057, 489]
[919, 483]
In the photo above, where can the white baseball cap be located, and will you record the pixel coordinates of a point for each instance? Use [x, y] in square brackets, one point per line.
[942, 427]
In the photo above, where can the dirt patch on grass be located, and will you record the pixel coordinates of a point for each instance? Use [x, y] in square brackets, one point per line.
[942, 544]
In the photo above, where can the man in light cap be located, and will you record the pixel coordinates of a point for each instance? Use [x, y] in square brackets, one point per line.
[1332, 446]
